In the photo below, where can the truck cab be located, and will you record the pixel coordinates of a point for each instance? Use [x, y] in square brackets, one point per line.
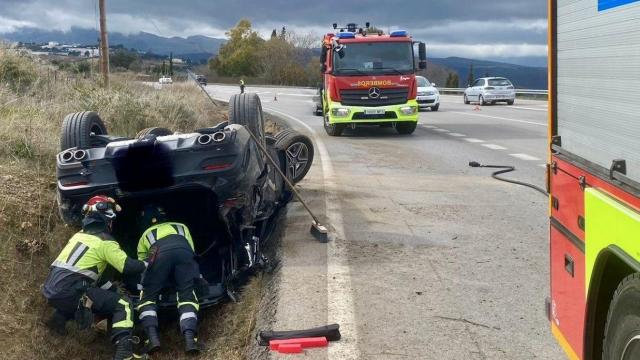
[369, 79]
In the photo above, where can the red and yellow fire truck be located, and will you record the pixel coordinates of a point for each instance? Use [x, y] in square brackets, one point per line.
[594, 177]
[369, 79]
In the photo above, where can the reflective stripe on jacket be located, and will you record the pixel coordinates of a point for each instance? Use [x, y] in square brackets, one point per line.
[89, 255]
[157, 233]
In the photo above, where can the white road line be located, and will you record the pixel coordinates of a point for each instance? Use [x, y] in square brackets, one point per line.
[429, 126]
[441, 130]
[340, 304]
[499, 118]
[527, 108]
[543, 165]
[525, 157]
[494, 147]
[457, 134]
[473, 140]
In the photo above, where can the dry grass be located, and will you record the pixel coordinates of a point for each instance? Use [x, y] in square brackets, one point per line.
[32, 106]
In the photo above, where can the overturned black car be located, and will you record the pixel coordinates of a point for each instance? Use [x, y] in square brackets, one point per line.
[215, 180]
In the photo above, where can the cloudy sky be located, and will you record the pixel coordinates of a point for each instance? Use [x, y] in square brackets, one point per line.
[470, 28]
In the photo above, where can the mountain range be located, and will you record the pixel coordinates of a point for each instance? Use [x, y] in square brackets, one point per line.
[198, 48]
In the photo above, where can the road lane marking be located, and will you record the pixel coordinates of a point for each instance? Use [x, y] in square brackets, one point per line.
[429, 126]
[473, 140]
[499, 118]
[441, 130]
[340, 303]
[525, 157]
[527, 108]
[494, 147]
[457, 134]
[543, 165]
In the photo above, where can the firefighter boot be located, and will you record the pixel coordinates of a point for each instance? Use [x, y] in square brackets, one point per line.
[124, 349]
[191, 345]
[153, 339]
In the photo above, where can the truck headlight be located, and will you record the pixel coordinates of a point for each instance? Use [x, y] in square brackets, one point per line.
[340, 112]
[408, 110]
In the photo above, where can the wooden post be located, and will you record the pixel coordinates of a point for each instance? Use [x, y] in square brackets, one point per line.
[104, 45]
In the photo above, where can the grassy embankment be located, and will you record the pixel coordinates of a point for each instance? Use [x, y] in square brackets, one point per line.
[32, 106]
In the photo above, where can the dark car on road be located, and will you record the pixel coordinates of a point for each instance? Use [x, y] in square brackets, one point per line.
[215, 180]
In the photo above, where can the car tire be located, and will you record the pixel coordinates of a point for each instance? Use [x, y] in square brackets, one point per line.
[298, 150]
[333, 129]
[435, 108]
[77, 129]
[622, 329]
[157, 131]
[510, 102]
[466, 100]
[481, 100]
[245, 109]
[406, 128]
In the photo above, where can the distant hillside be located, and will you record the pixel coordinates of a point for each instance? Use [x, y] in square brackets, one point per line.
[198, 46]
[523, 77]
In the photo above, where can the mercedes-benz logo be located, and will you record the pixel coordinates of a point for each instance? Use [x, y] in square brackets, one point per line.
[374, 93]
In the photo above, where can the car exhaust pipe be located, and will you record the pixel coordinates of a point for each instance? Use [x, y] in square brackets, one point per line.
[219, 136]
[79, 155]
[66, 156]
[204, 139]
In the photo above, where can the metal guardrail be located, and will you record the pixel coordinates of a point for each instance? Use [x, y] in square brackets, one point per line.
[518, 91]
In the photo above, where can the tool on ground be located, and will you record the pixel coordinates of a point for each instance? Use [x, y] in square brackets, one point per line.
[506, 169]
[318, 231]
[329, 332]
[311, 342]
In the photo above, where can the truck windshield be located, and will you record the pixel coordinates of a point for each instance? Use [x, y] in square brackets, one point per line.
[382, 58]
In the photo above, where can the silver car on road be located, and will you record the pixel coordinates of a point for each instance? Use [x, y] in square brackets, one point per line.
[490, 90]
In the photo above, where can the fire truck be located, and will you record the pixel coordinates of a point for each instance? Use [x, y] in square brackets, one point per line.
[369, 79]
[594, 177]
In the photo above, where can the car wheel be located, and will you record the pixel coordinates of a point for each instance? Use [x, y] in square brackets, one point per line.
[298, 150]
[157, 131]
[481, 100]
[245, 109]
[622, 330]
[466, 100]
[333, 129]
[406, 128]
[510, 102]
[77, 129]
[435, 108]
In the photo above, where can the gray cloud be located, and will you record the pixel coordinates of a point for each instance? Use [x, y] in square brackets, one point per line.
[457, 24]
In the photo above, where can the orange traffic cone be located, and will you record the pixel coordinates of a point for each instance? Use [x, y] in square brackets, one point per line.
[477, 108]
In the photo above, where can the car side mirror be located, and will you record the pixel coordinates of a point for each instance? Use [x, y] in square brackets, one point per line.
[433, 84]
[422, 56]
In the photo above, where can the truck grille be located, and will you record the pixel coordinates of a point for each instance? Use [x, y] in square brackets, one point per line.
[386, 115]
[361, 97]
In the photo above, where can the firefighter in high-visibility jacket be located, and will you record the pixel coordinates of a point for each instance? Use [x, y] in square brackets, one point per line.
[72, 285]
[168, 248]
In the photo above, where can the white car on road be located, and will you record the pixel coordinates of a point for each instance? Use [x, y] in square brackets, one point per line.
[490, 90]
[428, 95]
[165, 80]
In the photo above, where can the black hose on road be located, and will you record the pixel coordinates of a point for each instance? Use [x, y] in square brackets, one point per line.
[506, 169]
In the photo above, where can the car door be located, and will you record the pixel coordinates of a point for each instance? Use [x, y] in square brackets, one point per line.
[477, 88]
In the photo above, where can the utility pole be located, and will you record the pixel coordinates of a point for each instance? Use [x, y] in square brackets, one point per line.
[104, 44]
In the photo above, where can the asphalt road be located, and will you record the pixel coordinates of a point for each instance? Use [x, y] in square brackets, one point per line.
[429, 258]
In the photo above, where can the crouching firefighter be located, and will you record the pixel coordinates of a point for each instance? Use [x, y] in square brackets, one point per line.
[168, 247]
[71, 287]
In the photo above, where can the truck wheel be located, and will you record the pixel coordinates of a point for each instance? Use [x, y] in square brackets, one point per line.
[245, 109]
[77, 129]
[333, 129]
[298, 150]
[157, 131]
[435, 108]
[406, 128]
[622, 331]
[466, 100]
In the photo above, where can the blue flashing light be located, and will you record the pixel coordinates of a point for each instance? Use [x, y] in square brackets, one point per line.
[346, 35]
[399, 33]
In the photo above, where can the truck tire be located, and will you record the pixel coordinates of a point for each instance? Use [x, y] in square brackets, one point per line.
[77, 129]
[298, 151]
[622, 330]
[157, 131]
[333, 129]
[406, 128]
[245, 109]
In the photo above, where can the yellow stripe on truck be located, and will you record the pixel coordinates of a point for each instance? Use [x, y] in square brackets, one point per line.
[571, 354]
